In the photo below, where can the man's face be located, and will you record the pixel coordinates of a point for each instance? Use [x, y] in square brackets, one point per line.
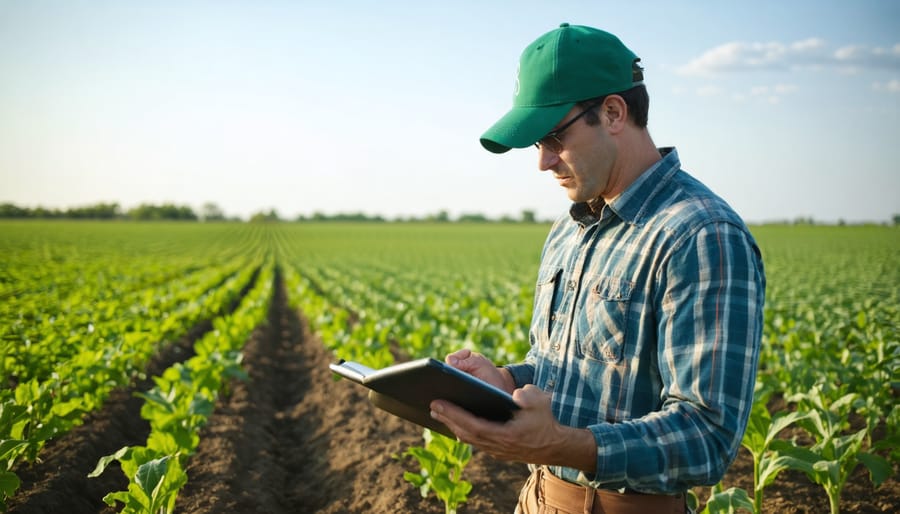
[585, 164]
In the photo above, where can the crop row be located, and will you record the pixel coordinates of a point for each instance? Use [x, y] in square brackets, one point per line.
[84, 306]
[66, 347]
[831, 351]
[180, 404]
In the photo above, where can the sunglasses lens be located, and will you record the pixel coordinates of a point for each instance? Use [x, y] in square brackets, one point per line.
[550, 143]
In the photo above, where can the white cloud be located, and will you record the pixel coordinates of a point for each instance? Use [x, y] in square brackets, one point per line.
[892, 86]
[740, 56]
[812, 44]
[733, 56]
[857, 57]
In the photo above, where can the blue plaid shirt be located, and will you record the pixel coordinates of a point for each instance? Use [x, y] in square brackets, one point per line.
[646, 330]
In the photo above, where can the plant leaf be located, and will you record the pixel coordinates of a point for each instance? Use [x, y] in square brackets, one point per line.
[105, 461]
[879, 468]
[801, 459]
[729, 501]
[780, 422]
[414, 478]
[9, 447]
[150, 475]
[9, 483]
[770, 468]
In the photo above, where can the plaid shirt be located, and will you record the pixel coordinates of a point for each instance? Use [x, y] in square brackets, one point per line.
[646, 330]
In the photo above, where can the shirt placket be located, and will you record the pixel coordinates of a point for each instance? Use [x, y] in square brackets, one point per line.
[569, 305]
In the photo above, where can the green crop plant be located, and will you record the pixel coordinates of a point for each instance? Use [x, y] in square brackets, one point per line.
[180, 404]
[761, 433]
[725, 501]
[835, 454]
[154, 480]
[84, 305]
[442, 461]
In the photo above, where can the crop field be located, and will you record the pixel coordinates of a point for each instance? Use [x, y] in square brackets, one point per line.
[183, 367]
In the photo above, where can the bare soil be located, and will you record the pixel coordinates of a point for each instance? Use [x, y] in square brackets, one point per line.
[292, 439]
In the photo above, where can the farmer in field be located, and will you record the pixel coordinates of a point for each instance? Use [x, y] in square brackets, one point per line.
[648, 306]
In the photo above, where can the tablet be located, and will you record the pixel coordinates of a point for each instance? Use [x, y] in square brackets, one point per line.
[407, 390]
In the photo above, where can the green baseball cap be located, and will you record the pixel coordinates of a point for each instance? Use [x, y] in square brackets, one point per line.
[559, 69]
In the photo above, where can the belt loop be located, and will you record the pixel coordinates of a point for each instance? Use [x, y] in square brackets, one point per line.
[589, 494]
[540, 486]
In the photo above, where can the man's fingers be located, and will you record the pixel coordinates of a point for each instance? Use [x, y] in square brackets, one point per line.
[460, 421]
[457, 357]
[530, 395]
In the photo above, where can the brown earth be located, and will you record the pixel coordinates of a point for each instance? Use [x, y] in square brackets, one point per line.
[291, 439]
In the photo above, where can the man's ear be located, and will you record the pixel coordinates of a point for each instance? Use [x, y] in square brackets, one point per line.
[614, 113]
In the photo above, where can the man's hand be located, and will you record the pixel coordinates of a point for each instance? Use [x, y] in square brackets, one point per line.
[481, 367]
[533, 435]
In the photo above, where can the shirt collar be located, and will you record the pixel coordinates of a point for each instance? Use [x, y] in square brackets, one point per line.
[631, 203]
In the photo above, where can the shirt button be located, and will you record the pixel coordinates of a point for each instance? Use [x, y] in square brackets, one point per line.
[550, 384]
[571, 285]
[556, 346]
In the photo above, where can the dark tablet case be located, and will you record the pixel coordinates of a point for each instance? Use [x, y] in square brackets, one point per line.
[407, 390]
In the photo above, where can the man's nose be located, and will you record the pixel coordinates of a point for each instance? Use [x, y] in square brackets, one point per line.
[546, 158]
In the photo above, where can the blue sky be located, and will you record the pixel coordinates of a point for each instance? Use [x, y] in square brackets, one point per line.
[786, 109]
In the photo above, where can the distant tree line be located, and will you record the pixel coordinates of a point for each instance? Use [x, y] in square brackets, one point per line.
[212, 212]
[113, 211]
[342, 216]
[527, 216]
[841, 222]
[98, 211]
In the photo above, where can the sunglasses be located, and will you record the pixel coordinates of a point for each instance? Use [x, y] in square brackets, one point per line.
[552, 142]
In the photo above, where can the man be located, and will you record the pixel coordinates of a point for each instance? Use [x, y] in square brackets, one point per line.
[648, 306]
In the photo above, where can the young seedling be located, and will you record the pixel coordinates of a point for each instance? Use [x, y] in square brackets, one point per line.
[442, 461]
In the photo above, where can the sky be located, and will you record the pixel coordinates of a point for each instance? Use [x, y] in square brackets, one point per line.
[786, 109]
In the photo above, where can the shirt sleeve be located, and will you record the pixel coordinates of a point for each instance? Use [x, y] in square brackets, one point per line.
[709, 303]
[522, 373]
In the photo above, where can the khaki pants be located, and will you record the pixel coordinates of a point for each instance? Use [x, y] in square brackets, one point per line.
[544, 493]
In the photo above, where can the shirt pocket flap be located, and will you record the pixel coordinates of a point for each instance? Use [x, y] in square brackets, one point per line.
[603, 329]
[613, 289]
[548, 274]
[545, 291]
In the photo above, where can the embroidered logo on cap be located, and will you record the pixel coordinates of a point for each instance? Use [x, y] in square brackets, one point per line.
[516, 87]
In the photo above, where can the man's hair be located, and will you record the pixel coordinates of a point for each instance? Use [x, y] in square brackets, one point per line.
[637, 100]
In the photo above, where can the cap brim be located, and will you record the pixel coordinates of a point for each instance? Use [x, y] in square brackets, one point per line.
[521, 127]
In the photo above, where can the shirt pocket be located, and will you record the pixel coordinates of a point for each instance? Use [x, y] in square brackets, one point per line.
[606, 319]
[544, 299]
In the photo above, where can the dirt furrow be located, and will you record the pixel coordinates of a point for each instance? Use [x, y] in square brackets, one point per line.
[58, 482]
[291, 439]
